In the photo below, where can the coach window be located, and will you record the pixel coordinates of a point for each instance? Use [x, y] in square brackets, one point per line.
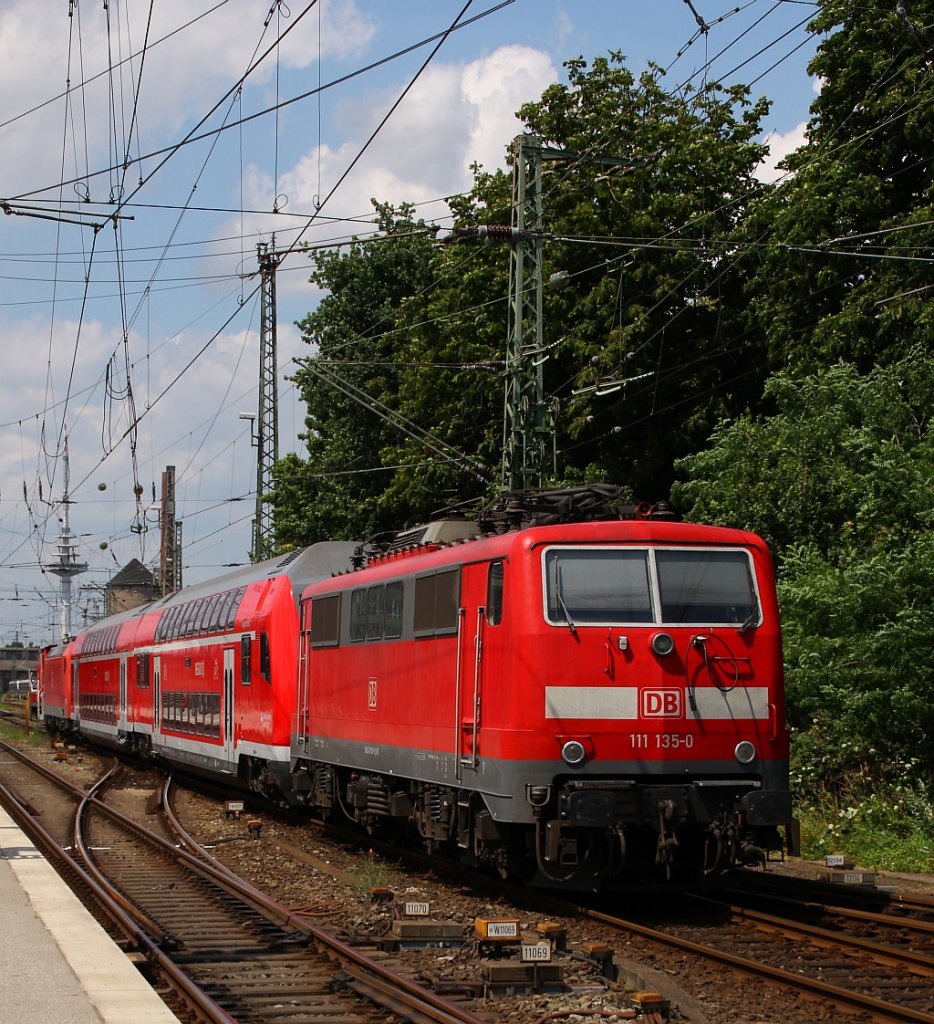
[223, 609]
[494, 594]
[210, 622]
[232, 615]
[392, 610]
[325, 620]
[142, 670]
[265, 669]
[358, 615]
[246, 646]
[374, 613]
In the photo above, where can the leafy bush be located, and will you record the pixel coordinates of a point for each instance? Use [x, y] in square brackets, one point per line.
[851, 800]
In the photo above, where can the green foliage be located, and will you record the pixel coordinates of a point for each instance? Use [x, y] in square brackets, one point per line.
[839, 481]
[650, 332]
[836, 278]
[642, 346]
[851, 799]
[844, 458]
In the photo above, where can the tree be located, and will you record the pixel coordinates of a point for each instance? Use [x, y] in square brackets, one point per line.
[646, 347]
[839, 480]
[845, 240]
[335, 492]
[650, 341]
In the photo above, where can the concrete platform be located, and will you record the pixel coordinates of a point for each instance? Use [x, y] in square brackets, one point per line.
[56, 962]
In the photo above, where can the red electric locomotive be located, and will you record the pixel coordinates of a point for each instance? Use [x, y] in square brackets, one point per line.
[203, 678]
[577, 704]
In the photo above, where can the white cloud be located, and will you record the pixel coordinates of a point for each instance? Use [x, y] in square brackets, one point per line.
[453, 116]
[780, 145]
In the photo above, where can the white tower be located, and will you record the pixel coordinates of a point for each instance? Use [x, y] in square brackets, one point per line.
[65, 565]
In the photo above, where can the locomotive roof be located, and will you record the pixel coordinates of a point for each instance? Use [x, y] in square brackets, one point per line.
[422, 555]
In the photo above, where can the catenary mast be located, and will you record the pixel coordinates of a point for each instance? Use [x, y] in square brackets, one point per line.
[65, 564]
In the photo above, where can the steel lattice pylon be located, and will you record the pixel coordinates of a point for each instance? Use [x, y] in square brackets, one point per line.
[267, 425]
[528, 426]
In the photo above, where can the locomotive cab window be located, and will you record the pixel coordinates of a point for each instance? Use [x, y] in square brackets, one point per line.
[590, 586]
[676, 586]
[706, 586]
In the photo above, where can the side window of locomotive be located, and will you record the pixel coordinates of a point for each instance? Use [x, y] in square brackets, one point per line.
[392, 611]
[706, 587]
[358, 615]
[325, 620]
[596, 585]
[437, 600]
[494, 594]
[246, 649]
[374, 613]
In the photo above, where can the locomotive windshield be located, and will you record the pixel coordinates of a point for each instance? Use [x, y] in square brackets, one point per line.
[610, 586]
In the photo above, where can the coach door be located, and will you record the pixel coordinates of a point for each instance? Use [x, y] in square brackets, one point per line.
[121, 717]
[228, 737]
[75, 692]
[472, 618]
[156, 692]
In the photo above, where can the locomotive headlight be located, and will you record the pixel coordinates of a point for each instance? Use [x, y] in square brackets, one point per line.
[662, 644]
[573, 753]
[745, 752]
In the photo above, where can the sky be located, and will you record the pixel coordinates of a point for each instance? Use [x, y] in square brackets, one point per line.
[146, 150]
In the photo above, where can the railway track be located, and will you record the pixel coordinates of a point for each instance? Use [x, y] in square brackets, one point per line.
[904, 922]
[226, 950]
[852, 974]
[859, 964]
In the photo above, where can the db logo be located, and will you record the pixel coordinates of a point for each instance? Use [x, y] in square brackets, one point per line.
[661, 703]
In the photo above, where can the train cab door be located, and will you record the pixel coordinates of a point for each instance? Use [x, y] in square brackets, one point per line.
[156, 691]
[471, 623]
[228, 712]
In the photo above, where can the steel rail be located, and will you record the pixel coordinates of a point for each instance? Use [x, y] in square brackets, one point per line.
[421, 1005]
[917, 963]
[881, 1010]
[365, 970]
